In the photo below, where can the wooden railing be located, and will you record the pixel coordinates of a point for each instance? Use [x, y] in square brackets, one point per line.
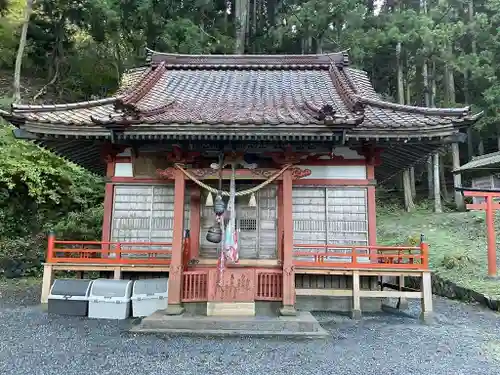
[269, 285]
[361, 256]
[93, 252]
[194, 286]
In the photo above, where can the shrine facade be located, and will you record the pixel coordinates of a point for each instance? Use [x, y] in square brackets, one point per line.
[289, 150]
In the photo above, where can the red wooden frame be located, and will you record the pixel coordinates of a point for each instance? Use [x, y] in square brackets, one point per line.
[386, 257]
[105, 252]
[489, 206]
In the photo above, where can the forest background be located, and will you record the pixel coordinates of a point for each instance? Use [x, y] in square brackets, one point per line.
[429, 53]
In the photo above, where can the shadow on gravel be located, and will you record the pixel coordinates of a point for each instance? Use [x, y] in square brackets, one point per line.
[19, 293]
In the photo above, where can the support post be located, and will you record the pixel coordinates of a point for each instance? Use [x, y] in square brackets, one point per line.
[402, 301]
[426, 302]
[437, 190]
[48, 278]
[457, 177]
[175, 277]
[356, 298]
[288, 308]
[490, 228]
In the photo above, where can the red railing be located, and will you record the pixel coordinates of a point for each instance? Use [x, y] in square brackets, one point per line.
[360, 256]
[269, 285]
[90, 252]
[195, 286]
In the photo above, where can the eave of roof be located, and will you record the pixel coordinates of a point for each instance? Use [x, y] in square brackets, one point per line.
[489, 162]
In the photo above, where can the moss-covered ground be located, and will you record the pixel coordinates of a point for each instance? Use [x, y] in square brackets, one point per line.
[457, 243]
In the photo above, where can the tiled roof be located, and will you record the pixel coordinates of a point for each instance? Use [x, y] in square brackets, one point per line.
[293, 94]
[487, 161]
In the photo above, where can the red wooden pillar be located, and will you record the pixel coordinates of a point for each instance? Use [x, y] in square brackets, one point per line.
[175, 278]
[280, 221]
[490, 229]
[108, 206]
[288, 270]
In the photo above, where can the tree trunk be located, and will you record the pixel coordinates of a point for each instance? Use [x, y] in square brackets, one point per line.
[20, 51]
[457, 177]
[430, 184]
[498, 137]
[409, 205]
[470, 145]
[437, 192]
[433, 85]
[241, 20]
[412, 183]
[425, 74]
[480, 147]
[442, 177]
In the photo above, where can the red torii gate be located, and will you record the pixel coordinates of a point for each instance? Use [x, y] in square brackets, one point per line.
[489, 206]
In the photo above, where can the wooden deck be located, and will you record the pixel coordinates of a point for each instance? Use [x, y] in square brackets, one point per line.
[308, 259]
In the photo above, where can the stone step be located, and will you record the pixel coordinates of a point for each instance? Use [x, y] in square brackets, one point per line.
[233, 333]
[302, 325]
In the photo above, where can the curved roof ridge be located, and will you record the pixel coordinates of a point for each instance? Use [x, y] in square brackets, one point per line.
[138, 91]
[20, 108]
[446, 112]
[346, 91]
[339, 58]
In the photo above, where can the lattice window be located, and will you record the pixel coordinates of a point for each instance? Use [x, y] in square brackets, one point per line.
[330, 215]
[145, 213]
[257, 226]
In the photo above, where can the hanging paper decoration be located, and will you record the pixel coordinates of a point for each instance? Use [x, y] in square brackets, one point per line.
[231, 237]
[252, 202]
[210, 201]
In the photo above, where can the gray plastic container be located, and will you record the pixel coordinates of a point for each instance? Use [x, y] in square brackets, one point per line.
[149, 296]
[69, 297]
[110, 299]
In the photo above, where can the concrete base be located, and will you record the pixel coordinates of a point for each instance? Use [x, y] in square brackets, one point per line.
[230, 308]
[356, 314]
[427, 317]
[174, 310]
[304, 325]
[288, 311]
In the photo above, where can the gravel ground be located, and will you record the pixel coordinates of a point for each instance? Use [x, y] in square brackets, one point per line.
[464, 340]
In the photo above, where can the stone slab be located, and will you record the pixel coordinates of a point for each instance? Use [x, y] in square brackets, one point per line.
[303, 325]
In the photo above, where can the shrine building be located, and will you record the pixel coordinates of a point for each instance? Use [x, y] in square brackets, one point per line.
[288, 148]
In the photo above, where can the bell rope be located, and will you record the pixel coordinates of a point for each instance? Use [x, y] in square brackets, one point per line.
[238, 193]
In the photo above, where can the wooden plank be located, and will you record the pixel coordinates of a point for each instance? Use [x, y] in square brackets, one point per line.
[243, 262]
[324, 292]
[389, 294]
[362, 272]
[362, 293]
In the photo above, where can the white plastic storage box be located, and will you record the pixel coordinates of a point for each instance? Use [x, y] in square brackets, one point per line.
[148, 296]
[110, 299]
[69, 297]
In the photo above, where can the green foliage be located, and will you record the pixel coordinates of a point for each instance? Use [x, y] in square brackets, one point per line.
[40, 191]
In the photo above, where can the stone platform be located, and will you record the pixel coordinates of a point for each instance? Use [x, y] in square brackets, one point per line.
[304, 325]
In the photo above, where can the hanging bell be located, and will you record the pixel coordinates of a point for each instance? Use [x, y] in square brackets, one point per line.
[219, 205]
[214, 234]
[252, 202]
[210, 201]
